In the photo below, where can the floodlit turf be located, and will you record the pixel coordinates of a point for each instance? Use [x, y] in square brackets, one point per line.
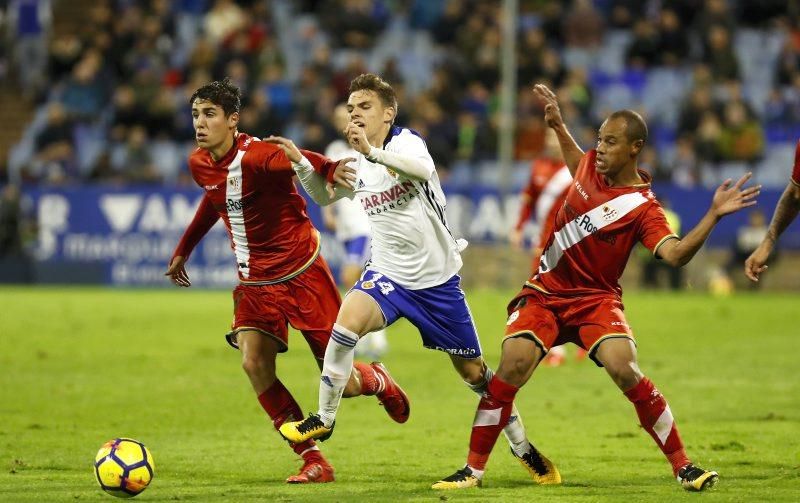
[80, 366]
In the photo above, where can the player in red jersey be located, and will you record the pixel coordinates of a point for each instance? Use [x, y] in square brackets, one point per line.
[282, 277]
[785, 213]
[545, 193]
[575, 295]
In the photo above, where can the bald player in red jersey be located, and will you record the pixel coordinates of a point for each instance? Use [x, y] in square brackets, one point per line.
[283, 279]
[575, 295]
[785, 212]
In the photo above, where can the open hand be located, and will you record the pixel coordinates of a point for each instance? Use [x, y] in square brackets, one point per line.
[552, 113]
[729, 199]
[177, 272]
[288, 147]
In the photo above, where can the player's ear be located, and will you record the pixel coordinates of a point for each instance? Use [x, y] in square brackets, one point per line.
[636, 147]
[389, 114]
[233, 120]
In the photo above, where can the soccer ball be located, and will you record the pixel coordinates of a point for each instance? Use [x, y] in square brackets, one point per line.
[123, 467]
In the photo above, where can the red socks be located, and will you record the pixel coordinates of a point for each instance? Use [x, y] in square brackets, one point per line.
[281, 407]
[490, 418]
[656, 418]
[371, 382]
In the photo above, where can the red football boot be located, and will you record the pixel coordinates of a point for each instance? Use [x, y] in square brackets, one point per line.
[313, 471]
[393, 398]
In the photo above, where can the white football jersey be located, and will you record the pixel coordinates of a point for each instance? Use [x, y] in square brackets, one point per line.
[411, 243]
[351, 219]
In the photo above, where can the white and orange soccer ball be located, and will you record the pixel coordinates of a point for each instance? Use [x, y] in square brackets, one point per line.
[124, 467]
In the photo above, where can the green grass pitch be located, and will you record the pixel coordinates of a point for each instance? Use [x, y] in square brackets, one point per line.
[80, 366]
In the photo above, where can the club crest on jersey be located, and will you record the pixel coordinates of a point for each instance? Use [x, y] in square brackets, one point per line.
[235, 182]
[367, 285]
[609, 213]
[392, 172]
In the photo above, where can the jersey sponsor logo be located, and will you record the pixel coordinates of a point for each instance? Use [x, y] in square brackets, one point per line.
[234, 205]
[587, 224]
[390, 199]
[457, 351]
[581, 191]
[512, 318]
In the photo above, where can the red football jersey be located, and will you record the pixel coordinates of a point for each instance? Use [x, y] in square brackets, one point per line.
[546, 190]
[796, 170]
[595, 231]
[252, 190]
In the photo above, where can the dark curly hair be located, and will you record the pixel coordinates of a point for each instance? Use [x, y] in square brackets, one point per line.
[222, 93]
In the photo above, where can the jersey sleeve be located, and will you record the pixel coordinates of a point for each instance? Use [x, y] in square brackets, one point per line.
[796, 169]
[413, 146]
[204, 219]
[654, 230]
[266, 157]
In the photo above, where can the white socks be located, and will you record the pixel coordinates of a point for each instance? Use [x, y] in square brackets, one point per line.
[514, 429]
[336, 369]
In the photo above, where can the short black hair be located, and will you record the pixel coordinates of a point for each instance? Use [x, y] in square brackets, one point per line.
[220, 92]
[372, 82]
[636, 128]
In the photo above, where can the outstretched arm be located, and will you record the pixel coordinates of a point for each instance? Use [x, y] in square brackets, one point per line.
[785, 213]
[314, 182]
[727, 200]
[552, 116]
[204, 219]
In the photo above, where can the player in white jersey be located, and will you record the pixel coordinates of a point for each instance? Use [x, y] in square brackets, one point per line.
[350, 224]
[415, 258]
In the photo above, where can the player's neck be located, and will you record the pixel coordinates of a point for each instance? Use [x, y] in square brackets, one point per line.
[626, 177]
[220, 150]
[380, 136]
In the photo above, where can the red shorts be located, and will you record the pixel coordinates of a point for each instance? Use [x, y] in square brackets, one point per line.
[309, 302]
[550, 320]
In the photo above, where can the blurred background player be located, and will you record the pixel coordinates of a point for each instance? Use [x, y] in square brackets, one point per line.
[413, 272]
[542, 198]
[282, 277]
[349, 222]
[575, 295]
[785, 212]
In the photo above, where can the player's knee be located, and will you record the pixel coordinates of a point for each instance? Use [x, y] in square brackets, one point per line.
[256, 366]
[625, 374]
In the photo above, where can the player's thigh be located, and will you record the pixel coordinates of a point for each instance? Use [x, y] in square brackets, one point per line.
[601, 322]
[618, 356]
[259, 308]
[533, 319]
[360, 313]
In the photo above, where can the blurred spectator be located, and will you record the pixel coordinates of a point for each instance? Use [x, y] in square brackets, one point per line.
[65, 51]
[224, 18]
[355, 23]
[747, 240]
[583, 25]
[54, 158]
[14, 227]
[685, 170]
[644, 50]
[132, 161]
[673, 39]
[85, 92]
[741, 138]
[653, 268]
[29, 27]
[719, 54]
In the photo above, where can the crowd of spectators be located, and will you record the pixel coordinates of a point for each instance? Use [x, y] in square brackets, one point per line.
[718, 81]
